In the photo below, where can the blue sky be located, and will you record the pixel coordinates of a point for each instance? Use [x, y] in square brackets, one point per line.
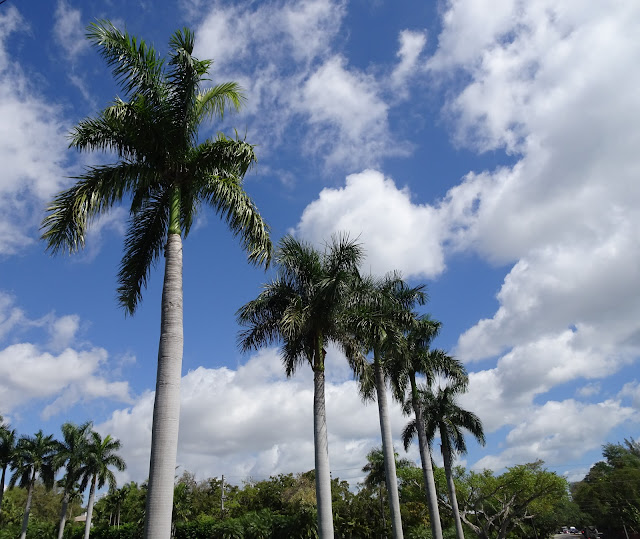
[487, 149]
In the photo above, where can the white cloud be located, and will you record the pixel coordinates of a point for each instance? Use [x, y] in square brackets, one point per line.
[557, 433]
[411, 46]
[63, 330]
[397, 233]
[32, 148]
[69, 30]
[284, 55]
[253, 422]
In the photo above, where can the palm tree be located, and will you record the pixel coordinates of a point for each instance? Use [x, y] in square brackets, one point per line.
[100, 456]
[303, 308]
[376, 471]
[71, 454]
[7, 453]
[380, 312]
[166, 175]
[33, 458]
[418, 360]
[443, 415]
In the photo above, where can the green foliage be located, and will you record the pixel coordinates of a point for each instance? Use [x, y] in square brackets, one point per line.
[610, 493]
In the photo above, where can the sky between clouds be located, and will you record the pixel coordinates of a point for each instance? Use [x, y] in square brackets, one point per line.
[487, 149]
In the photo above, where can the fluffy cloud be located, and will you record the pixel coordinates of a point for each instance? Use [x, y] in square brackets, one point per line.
[396, 239]
[284, 55]
[253, 422]
[69, 29]
[32, 147]
[55, 374]
[411, 46]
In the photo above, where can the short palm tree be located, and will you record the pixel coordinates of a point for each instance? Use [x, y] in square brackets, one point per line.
[7, 453]
[442, 414]
[418, 359]
[303, 308]
[380, 311]
[166, 175]
[33, 458]
[71, 454]
[95, 470]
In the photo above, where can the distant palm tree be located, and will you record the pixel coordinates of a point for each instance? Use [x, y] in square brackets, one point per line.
[381, 310]
[442, 414]
[167, 175]
[419, 360]
[33, 459]
[7, 453]
[71, 454]
[101, 455]
[303, 308]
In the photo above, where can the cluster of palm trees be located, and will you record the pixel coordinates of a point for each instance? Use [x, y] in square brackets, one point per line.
[319, 298]
[83, 455]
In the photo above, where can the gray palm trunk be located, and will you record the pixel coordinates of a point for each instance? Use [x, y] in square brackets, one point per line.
[92, 499]
[166, 410]
[387, 451]
[27, 509]
[321, 443]
[427, 467]
[63, 514]
[2, 478]
[446, 455]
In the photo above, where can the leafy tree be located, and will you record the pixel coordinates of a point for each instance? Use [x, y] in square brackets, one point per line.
[418, 359]
[495, 506]
[72, 451]
[167, 176]
[610, 492]
[33, 459]
[381, 310]
[442, 414]
[7, 453]
[303, 308]
[95, 470]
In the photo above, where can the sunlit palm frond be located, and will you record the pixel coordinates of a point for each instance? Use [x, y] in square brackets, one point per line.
[213, 103]
[144, 243]
[65, 225]
[135, 66]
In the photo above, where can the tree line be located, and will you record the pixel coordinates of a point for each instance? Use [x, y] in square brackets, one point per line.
[82, 455]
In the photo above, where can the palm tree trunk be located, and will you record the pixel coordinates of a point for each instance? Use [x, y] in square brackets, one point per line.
[4, 471]
[387, 451]
[27, 509]
[427, 467]
[92, 499]
[166, 410]
[321, 444]
[446, 455]
[63, 514]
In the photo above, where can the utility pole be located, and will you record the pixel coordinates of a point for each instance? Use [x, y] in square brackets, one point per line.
[222, 498]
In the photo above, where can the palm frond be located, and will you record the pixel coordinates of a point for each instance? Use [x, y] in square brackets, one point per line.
[69, 214]
[213, 102]
[143, 245]
[135, 66]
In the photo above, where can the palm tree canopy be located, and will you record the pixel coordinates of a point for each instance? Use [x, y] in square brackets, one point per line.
[442, 414]
[72, 451]
[161, 168]
[7, 445]
[374, 468]
[34, 457]
[100, 457]
[303, 307]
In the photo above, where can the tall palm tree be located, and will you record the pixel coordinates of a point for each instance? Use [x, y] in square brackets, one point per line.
[381, 310]
[33, 459]
[419, 360]
[166, 175]
[442, 414]
[7, 453]
[303, 308]
[95, 470]
[71, 454]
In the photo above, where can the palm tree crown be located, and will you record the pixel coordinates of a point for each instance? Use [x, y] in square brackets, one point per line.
[161, 167]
